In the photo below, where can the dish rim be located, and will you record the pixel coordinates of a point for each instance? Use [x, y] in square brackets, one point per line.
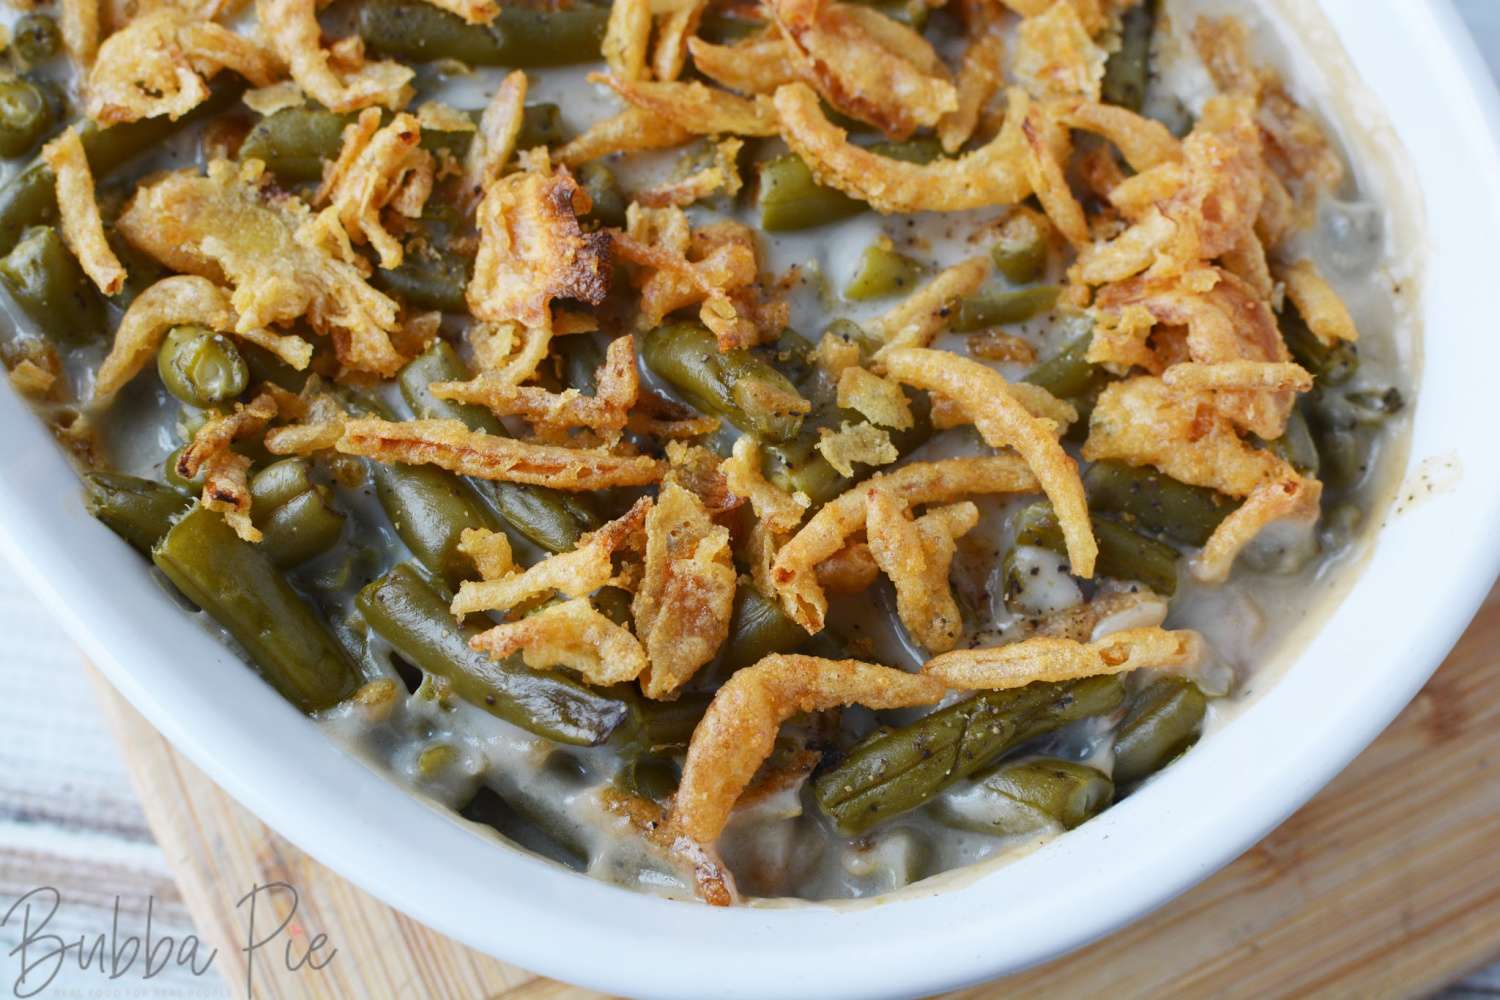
[1177, 830]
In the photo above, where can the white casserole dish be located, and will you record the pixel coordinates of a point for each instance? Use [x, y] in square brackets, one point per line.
[1433, 562]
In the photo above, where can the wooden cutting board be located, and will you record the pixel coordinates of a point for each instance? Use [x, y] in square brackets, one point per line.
[1385, 885]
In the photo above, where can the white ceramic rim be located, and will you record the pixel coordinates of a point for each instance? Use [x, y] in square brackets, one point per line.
[1212, 806]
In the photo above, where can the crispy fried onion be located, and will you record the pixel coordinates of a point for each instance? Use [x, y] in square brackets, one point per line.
[1270, 376]
[1143, 421]
[509, 351]
[980, 77]
[451, 445]
[571, 634]
[1317, 303]
[605, 412]
[633, 130]
[532, 250]
[673, 29]
[774, 507]
[159, 63]
[228, 227]
[1004, 422]
[856, 443]
[880, 400]
[754, 65]
[378, 168]
[1298, 154]
[739, 729]
[715, 265]
[182, 299]
[1045, 658]
[79, 25]
[495, 140]
[318, 428]
[722, 174]
[916, 554]
[226, 482]
[829, 530]
[711, 879]
[1144, 142]
[925, 313]
[472, 11]
[575, 573]
[695, 108]
[1096, 15]
[993, 174]
[490, 551]
[683, 605]
[82, 227]
[1187, 212]
[1047, 148]
[867, 65]
[1055, 57]
[340, 78]
[1225, 321]
[627, 37]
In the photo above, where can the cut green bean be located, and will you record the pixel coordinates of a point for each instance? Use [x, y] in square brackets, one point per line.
[25, 116]
[798, 467]
[520, 37]
[36, 37]
[1069, 375]
[757, 628]
[430, 508]
[1020, 254]
[550, 518]
[1161, 721]
[1156, 503]
[899, 770]
[238, 587]
[1330, 364]
[1124, 554]
[736, 385]
[1343, 426]
[295, 515]
[882, 273]
[1296, 445]
[608, 201]
[201, 367]
[1029, 795]
[413, 617]
[526, 824]
[138, 510]
[50, 287]
[788, 198]
[1127, 72]
[295, 143]
[999, 308]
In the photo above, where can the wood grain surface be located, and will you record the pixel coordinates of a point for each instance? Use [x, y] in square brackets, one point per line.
[1386, 885]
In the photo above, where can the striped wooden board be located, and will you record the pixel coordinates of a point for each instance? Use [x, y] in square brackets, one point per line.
[1386, 885]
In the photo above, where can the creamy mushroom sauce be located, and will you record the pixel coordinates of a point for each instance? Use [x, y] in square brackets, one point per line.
[546, 796]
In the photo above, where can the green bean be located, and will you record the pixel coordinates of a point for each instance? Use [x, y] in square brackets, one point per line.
[895, 771]
[1124, 554]
[1330, 364]
[295, 515]
[25, 116]
[295, 143]
[757, 628]
[1069, 374]
[608, 201]
[797, 465]
[1156, 503]
[28, 198]
[998, 308]
[526, 823]
[411, 615]
[201, 367]
[48, 285]
[1020, 254]
[1343, 426]
[430, 508]
[649, 776]
[788, 198]
[238, 587]
[661, 726]
[1030, 795]
[736, 385]
[724, 26]
[138, 510]
[188, 487]
[1127, 72]
[519, 37]
[36, 37]
[1296, 445]
[550, 518]
[581, 357]
[1161, 721]
[428, 279]
[882, 273]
